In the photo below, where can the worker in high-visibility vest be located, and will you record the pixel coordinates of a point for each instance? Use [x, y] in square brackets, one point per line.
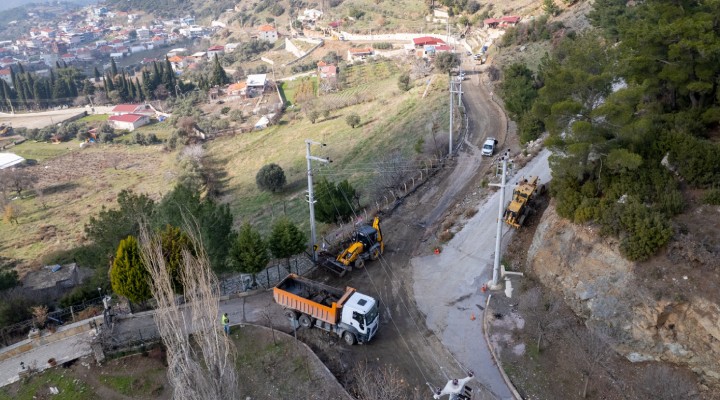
[226, 323]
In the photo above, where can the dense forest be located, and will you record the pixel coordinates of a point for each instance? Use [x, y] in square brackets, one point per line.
[633, 110]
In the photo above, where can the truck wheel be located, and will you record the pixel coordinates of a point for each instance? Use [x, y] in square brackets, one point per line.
[305, 321]
[291, 314]
[349, 338]
[375, 254]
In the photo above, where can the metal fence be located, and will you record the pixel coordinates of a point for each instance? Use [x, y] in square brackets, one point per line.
[18, 332]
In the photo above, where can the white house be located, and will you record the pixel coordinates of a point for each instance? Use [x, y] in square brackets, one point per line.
[256, 81]
[129, 122]
[267, 32]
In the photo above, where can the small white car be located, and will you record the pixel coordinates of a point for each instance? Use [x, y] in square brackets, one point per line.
[489, 146]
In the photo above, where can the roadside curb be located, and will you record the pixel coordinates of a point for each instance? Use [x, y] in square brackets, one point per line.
[509, 383]
[292, 338]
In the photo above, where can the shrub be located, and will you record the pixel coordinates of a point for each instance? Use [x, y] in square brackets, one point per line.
[712, 197]
[225, 110]
[270, 177]
[404, 82]
[382, 45]
[353, 120]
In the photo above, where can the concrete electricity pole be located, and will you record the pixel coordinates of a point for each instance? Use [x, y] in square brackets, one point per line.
[494, 284]
[453, 90]
[450, 145]
[311, 199]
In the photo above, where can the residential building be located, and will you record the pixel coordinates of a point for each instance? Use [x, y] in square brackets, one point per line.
[267, 32]
[256, 82]
[359, 54]
[128, 122]
[122, 109]
[215, 50]
[237, 89]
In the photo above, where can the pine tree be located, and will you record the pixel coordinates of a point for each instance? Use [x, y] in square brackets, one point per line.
[173, 242]
[249, 252]
[286, 239]
[129, 276]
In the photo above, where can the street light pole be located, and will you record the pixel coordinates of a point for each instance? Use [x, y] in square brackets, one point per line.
[311, 199]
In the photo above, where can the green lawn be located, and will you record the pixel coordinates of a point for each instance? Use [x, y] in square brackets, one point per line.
[162, 130]
[41, 151]
[92, 119]
[40, 386]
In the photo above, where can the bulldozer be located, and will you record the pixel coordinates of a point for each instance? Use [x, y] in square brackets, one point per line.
[365, 243]
[523, 196]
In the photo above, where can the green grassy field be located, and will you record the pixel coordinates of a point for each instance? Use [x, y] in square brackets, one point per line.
[94, 119]
[41, 151]
[353, 151]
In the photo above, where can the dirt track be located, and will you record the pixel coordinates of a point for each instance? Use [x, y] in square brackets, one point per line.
[45, 118]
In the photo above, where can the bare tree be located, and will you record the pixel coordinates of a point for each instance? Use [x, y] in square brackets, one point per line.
[542, 311]
[200, 356]
[380, 383]
[420, 68]
[16, 180]
[194, 153]
[40, 315]
[596, 354]
[662, 382]
[392, 171]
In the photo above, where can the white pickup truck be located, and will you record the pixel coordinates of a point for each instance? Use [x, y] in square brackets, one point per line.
[489, 146]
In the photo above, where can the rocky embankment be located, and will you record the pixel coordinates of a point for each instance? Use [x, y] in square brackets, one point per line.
[644, 316]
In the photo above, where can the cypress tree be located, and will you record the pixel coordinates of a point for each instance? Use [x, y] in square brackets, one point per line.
[20, 68]
[129, 276]
[219, 76]
[97, 75]
[113, 67]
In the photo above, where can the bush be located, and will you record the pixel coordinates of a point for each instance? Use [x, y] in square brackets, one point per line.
[353, 120]
[382, 46]
[404, 82]
[270, 177]
[712, 197]
[225, 110]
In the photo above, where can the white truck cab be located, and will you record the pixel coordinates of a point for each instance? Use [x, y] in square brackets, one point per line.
[361, 312]
[489, 146]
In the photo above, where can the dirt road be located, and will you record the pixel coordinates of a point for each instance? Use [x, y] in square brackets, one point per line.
[404, 341]
[42, 119]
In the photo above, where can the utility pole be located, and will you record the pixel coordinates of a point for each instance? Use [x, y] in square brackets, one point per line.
[311, 199]
[494, 284]
[450, 144]
[453, 90]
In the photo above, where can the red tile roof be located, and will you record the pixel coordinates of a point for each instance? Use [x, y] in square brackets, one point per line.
[126, 117]
[266, 28]
[216, 48]
[128, 108]
[5, 71]
[427, 40]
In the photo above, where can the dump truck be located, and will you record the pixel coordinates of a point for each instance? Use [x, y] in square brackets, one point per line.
[347, 313]
[365, 243]
[521, 204]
